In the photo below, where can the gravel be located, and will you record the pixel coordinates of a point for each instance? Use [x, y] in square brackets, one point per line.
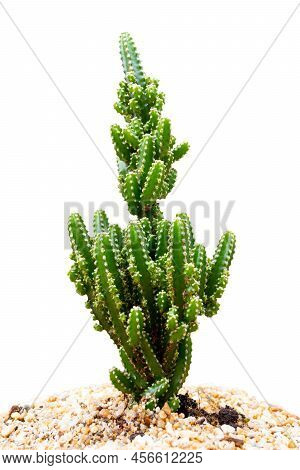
[100, 416]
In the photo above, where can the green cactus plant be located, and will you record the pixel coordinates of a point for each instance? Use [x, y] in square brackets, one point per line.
[146, 285]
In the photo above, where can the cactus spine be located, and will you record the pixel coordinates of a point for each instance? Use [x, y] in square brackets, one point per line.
[147, 284]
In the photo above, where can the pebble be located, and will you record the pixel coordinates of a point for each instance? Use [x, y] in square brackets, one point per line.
[162, 415]
[161, 423]
[17, 415]
[7, 430]
[52, 398]
[292, 445]
[120, 410]
[236, 440]
[227, 429]
[100, 417]
[167, 409]
[94, 429]
[105, 413]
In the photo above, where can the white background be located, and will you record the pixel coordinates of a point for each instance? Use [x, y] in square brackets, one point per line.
[202, 52]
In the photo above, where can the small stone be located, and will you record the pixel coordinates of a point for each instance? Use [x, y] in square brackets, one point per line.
[29, 417]
[169, 428]
[292, 445]
[65, 438]
[104, 413]
[274, 408]
[52, 398]
[147, 421]
[94, 429]
[17, 415]
[161, 423]
[227, 429]
[166, 409]
[236, 440]
[219, 433]
[7, 430]
[162, 414]
[200, 420]
[120, 410]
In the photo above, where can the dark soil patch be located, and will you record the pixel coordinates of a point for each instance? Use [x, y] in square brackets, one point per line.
[189, 407]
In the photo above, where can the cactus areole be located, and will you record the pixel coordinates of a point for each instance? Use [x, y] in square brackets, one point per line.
[146, 285]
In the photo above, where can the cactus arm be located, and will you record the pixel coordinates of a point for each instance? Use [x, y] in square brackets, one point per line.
[200, 261]
[178, 334]
[171, 351]
[174, 403]
[80, 241]
[136, 126]
[124, 54]
[163, 138]
[163, 228]
[122, 167]
[182, 366]
[180, 150]
[191, 282]
[150, 358]
[139, 338]
[149, 238]
[139, 263]
[162, 301]
[177, 260]
[104, 322]
[121, 147]
[221, 261]
[146, 226]
[156, 390]
[131, 138]
[211, 304]
[170, 357]
[132, 192]
[188, 234]
[145, 157]
[172, 319]
[131, 369]
[105, 284]
[193, 310]
[130, 58]
[135, 326]
[110, 261]
[171, 179]
[121, 381]
[170, 347]
[116, 237]
[100, 221]
[153, 120]
[152, 187]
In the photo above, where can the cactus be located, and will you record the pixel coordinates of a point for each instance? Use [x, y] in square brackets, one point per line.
[146, 285]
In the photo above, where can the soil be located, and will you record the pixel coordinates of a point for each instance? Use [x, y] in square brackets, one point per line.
[226, 415]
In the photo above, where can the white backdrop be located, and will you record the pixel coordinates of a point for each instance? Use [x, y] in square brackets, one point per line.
[203, 53]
